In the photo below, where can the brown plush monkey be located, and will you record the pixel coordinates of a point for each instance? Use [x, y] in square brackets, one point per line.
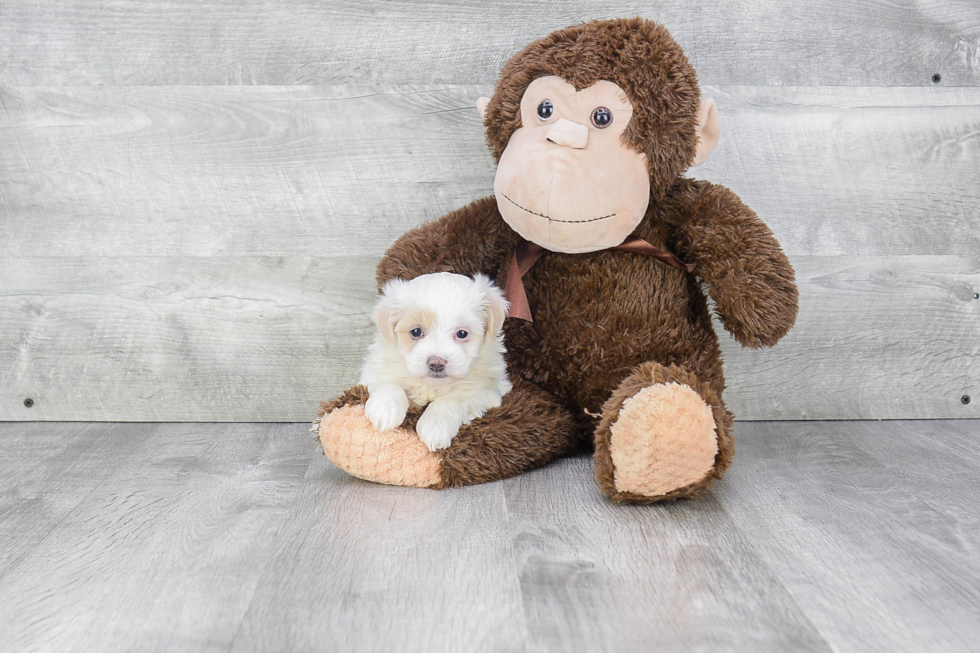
[592, 128]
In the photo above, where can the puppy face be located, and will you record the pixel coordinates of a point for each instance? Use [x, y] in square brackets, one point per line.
[439, 323]
[439, 345]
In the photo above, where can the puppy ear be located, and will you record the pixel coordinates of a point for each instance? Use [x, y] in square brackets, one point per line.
[382, 318]
[387, 309]
[495, 306]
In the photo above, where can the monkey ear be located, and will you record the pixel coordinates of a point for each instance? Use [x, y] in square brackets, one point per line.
[481, 106]
[709, 130]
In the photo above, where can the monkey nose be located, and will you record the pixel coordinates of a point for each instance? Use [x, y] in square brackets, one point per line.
[568, 134]
[436, 364]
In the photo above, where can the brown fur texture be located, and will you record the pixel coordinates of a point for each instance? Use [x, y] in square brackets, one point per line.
[610, 323]
[646, 375]
[530, 429]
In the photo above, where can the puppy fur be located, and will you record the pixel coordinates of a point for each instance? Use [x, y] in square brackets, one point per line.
[419, 357]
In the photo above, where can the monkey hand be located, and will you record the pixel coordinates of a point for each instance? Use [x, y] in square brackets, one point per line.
[747, 273]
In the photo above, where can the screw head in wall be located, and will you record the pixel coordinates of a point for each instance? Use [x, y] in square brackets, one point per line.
[28, 402]
[937, 78]
[965, 399]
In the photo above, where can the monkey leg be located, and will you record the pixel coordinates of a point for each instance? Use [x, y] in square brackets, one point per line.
[663, 435]
[529, 429]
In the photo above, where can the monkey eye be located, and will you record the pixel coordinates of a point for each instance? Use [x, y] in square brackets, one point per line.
[601, 117]
[462, 334]
[415, 333]
[545, 109]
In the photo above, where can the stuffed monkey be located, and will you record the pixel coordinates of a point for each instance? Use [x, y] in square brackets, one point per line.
[604, 249]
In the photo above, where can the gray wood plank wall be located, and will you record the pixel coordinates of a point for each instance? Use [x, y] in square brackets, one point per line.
[193, 196]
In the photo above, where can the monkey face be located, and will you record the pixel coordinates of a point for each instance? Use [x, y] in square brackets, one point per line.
[567, 180]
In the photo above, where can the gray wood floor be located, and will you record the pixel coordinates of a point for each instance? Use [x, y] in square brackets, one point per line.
[844, 536]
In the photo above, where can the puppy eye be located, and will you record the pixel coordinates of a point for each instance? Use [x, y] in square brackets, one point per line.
[415, 333]
[601, 117]
[545, 109]
[462, 334]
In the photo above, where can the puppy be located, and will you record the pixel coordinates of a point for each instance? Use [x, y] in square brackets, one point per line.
[440, 346]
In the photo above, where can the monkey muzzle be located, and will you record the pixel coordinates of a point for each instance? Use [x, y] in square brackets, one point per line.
[562, 188]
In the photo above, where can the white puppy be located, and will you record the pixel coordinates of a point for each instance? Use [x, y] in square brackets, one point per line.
[440, 346]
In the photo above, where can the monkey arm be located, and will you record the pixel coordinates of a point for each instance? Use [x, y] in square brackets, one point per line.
[470, 240]
[748, 275]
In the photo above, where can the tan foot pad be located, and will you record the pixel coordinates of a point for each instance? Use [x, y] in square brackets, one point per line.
[663, 440]
[395, 457]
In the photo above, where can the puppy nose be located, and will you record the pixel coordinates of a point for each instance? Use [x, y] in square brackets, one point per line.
[568, 134]
[436, 364]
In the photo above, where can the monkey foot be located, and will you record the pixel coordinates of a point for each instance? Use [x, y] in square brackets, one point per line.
[663, 440]
[395, 457]
[660, 444]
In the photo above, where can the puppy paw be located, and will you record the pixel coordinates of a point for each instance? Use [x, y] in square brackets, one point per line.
[385, 413]
[436, 430]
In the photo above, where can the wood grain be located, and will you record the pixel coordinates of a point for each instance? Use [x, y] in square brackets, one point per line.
[843, 536]
[228, 171]
[219, 338]
[364, 567]
[47, 470]
[770, 42]
[690, 582]
[849, 172]
[876, 337]
[173, 338]
[851, 537]
[164, 543]
[203, 171]
[206, 253]
[943, 483]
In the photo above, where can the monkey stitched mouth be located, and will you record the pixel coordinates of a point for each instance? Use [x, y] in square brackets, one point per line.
[550, 219]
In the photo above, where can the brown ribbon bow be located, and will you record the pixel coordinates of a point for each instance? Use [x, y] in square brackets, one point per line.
[527, 253]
